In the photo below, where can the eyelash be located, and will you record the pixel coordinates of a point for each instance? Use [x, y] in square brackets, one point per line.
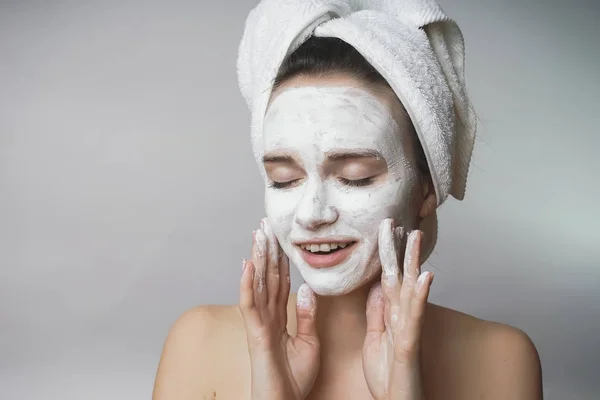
[281, 185]
[357, 182]
[347, 182]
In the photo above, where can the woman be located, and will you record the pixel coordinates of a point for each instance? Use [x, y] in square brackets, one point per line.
[348, 189]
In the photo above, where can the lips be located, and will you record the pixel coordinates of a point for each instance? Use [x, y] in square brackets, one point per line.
[324, 253]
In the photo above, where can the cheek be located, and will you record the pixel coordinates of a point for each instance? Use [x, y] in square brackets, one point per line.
[280, 207]
[365, 209]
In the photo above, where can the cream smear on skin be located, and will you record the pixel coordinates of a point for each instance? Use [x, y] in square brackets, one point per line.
[308, 122]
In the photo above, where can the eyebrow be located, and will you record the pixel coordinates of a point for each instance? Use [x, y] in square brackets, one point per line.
[332, 156]
[340, 155]
[279, 158]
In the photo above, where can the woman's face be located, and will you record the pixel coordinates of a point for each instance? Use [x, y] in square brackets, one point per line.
[337, 164]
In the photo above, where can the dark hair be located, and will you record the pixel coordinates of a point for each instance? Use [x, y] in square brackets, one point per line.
[325, 56]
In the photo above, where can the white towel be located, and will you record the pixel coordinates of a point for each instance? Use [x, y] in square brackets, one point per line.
[412, 44]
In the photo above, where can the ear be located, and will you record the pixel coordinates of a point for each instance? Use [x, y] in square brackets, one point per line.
[429, 199]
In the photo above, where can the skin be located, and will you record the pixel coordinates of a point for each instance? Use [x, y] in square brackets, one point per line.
[380, 341]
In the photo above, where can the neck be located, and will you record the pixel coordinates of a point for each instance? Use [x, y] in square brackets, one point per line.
[342, 323]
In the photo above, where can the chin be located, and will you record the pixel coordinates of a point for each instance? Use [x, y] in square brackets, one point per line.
[331, 291]
[340, 288]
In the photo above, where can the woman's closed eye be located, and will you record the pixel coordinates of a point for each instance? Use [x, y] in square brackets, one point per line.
[360, 172]
[357, 182]
[283, 185]
[284, 176]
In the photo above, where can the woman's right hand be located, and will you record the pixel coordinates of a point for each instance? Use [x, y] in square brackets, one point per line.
[283, 367]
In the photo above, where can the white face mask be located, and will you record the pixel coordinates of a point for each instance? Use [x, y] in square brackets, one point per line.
[308, 124]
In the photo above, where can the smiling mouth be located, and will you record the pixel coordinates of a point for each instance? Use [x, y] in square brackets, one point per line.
[324, 255]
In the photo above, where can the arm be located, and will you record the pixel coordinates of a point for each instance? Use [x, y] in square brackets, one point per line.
[184, 370]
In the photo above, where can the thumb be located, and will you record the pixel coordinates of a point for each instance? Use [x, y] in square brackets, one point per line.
[306, 315]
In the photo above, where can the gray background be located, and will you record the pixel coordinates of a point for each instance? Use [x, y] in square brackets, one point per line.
[128, 191]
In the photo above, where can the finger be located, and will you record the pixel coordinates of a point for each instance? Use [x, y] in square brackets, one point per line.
[411, 268]
[412, 256]
[417, 309]
[399, 235]
[375, 309]
[392, 310]
[272, 262]
[419, 302]
[306, 315]
[258, 259]
[246, 287]
[284, 281]
[387, 256]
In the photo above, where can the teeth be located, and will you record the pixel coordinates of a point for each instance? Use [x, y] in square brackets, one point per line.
[325, 247]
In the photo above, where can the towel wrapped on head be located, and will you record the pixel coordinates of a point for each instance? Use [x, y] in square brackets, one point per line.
[412, 44]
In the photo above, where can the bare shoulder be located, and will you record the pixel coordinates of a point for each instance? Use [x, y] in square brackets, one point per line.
[496, 361]
[205, 344]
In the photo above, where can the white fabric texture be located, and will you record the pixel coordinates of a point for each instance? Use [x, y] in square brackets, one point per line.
[412, 43]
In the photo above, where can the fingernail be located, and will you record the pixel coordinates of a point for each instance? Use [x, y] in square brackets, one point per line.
[305, 299]
[413, 236]
[408, 258]
[244, 264]
[422, 278]
[399, 231]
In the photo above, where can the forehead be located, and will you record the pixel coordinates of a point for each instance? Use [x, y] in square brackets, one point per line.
[329, 117]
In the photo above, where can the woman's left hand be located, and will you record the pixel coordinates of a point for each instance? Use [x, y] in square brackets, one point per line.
[395, 315]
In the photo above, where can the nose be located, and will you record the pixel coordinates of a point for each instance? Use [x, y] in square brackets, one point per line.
[314, 211]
